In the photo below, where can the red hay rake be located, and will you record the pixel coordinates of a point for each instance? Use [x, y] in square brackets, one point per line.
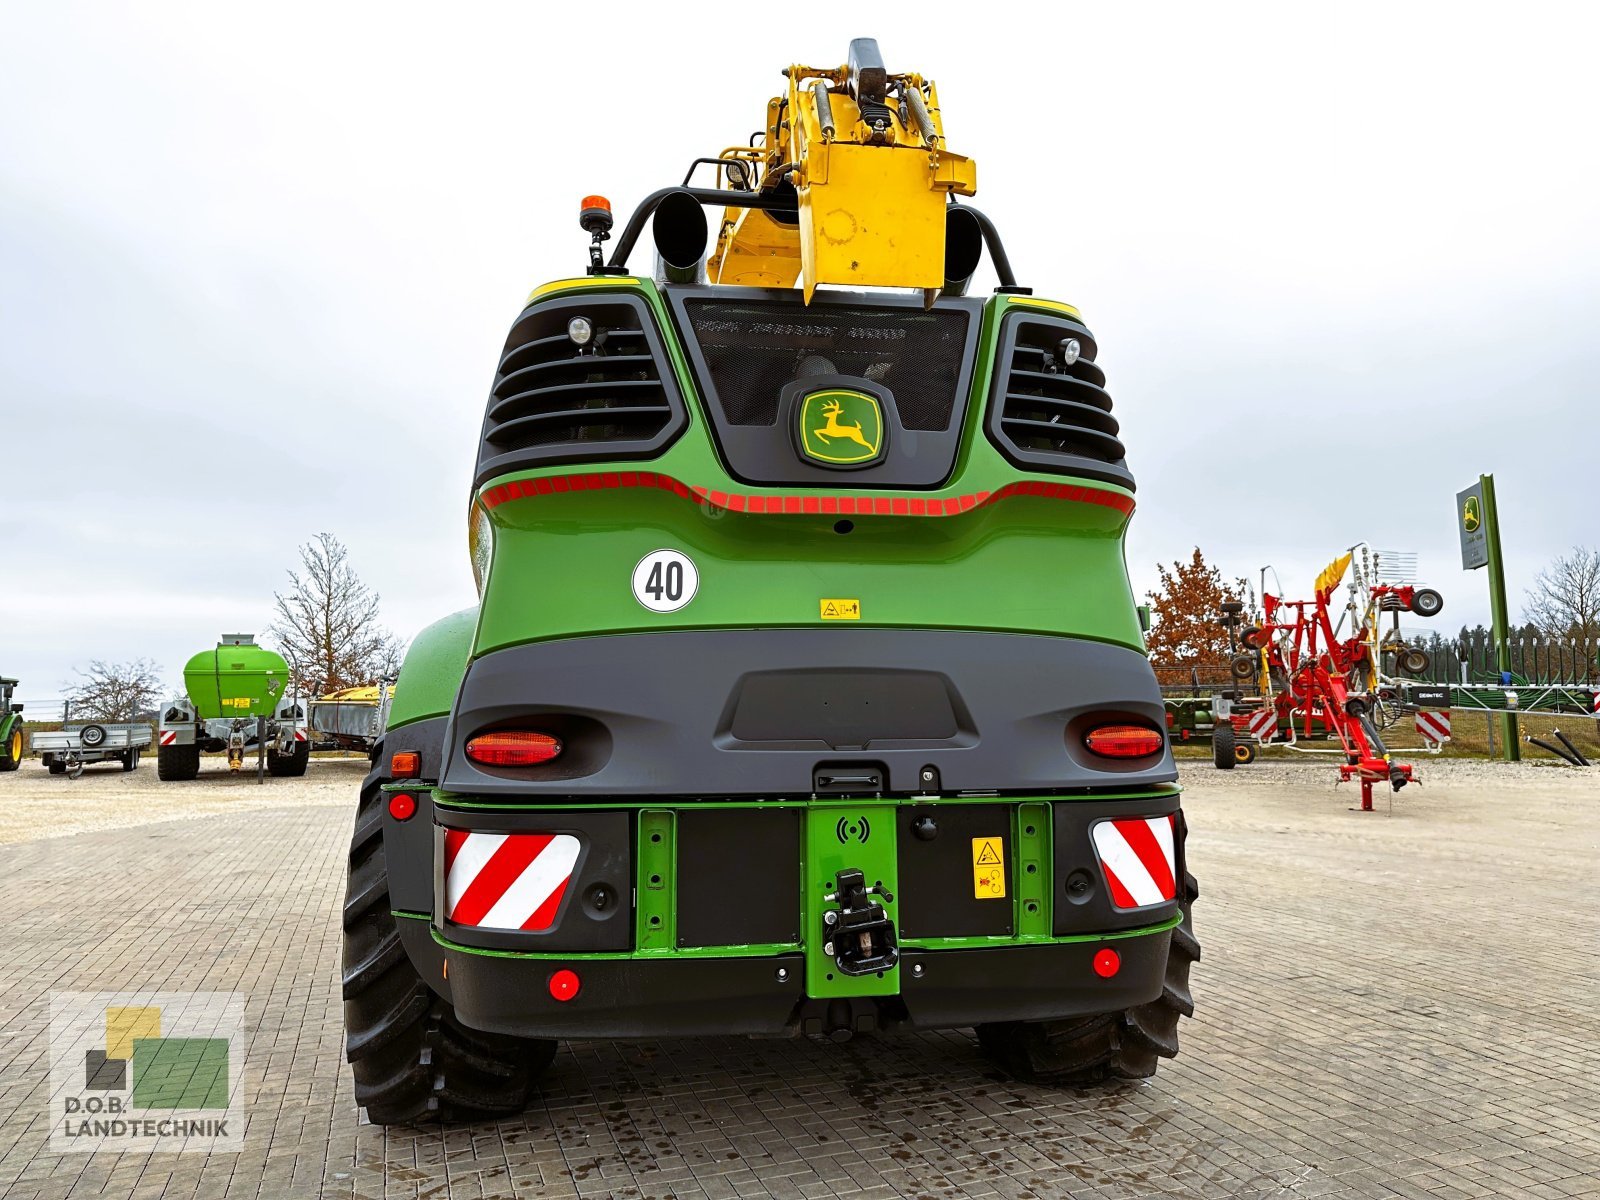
[1321, 685]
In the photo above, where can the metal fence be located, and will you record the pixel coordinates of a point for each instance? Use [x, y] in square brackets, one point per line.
[1535, 659]
[1467, 659]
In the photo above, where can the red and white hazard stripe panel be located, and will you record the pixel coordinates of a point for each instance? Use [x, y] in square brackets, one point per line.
[169, 737]
[1263, 724]
[299, 735]
[506, 880]
[1434, 724]
[1139, 860]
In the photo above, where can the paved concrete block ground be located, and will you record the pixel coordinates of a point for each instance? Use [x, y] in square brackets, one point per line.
[1398, 1004]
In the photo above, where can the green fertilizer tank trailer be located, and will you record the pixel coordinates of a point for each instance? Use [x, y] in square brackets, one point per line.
[806, 692]
[236, 698]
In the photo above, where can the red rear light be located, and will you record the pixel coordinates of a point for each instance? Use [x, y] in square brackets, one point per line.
[513, 748]
[1124, 741]
[1107, 962]
[402, 807]
[564, 985]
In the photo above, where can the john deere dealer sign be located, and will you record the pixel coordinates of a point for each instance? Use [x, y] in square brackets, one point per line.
[1470, 524]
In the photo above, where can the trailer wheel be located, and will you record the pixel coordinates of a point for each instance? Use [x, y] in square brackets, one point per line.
[1244, 753]
[413, 1061]
[130, 759]
[1415, 662]
[1122, 1045]
[56, 767]
[1244, 666]
[1224, 742]
[291, 765]
[1426, 602]
[177, 763]
[11, 749]
[92, 735]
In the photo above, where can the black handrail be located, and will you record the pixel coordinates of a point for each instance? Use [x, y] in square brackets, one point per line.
[720, 197]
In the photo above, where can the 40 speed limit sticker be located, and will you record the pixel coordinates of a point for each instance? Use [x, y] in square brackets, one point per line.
[665, 580]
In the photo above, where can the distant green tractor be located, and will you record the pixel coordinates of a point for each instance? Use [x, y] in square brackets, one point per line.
[236, 698]
[11, 735]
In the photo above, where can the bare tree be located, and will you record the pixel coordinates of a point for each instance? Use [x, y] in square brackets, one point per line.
[327, 625]
[115, 691]
[1564, 601]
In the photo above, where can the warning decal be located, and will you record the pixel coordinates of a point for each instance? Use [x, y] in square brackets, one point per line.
[839, 610]
[988, 869]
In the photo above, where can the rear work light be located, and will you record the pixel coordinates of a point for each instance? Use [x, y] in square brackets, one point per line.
[1124, 741]
[512, 748]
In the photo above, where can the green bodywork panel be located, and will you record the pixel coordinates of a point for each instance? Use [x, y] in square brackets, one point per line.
[561, 563]
[235, 681]
[433, 667]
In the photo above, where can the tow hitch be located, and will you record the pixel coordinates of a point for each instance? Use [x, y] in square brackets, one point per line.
[859, 934]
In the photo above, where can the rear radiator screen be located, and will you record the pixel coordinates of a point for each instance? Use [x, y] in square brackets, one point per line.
[752, 350]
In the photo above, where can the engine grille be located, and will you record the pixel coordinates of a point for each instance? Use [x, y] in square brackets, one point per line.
[1048, 414]
[556, 401]
[751, 351]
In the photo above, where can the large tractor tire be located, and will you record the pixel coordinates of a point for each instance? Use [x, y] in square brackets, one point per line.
[413, 1061]
[177, 763]
[1125, 1045]
[290, 765]
[11, 748]
[1224, 746]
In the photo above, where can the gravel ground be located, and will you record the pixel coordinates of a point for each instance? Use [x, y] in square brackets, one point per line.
[38, 804]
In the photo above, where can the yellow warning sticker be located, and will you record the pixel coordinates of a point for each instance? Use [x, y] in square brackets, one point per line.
[988, 869]
[840, 610]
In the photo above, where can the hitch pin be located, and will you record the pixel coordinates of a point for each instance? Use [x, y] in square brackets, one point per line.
[833, 897]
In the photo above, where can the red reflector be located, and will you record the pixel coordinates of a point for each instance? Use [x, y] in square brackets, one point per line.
[564, 985]
[405, 764]
[1107, 962]
[513, 748]
[402, 807]
[1124, 741]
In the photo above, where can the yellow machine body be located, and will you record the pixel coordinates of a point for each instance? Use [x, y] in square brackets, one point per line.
[872, 180]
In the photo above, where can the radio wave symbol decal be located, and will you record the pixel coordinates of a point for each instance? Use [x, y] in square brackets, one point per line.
[853, 829]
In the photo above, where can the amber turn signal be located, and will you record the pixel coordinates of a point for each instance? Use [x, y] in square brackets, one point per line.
[512, 748]
[1123, 741]
[405, 764]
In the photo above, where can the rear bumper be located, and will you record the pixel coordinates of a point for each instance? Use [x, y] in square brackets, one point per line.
[635, 997]
[720, 918]
[759, 712]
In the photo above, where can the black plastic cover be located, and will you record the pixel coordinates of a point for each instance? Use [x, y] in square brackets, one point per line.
[1048, 407]
[613, 397]
[673, 709]
[746, 345]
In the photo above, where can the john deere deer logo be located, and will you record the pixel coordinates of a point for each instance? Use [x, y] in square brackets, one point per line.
[841, 428]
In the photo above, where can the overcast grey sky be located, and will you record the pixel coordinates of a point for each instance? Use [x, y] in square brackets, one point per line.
[256, 264]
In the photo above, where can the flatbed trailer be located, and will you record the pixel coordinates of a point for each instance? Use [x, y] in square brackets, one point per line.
[66, 751]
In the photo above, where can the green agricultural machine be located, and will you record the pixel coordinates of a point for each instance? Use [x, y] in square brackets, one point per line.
[806, 693]
[236, 698]
[13, 740]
